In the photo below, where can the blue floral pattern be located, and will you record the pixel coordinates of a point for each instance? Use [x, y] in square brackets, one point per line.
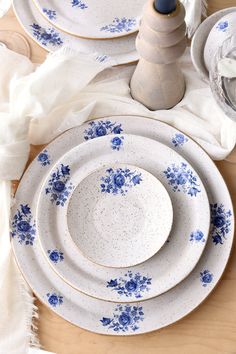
[55, 256]
[131, 285]
[125, 318]
[44, 158]
[223, 26]
[179, 140]
[197, 236]
[79, 4]
[117, 143]
[119, 181]
[23, 225]
[59, 186]
[182, 178]
[220, 221]
[54, 299]
[51, 14]
[119, 25]
[46, 36]
[101, 128]
[206, 277]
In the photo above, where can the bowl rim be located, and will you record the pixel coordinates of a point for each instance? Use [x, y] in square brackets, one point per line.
[199, 40]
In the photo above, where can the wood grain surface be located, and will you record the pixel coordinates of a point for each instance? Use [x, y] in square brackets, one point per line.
[210, 329]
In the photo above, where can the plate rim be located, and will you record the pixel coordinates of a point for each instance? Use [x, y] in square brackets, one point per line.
[228, 249]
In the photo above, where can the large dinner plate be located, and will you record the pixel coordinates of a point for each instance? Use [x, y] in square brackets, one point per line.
[93, 19]
[115, 318]
[60, 228]
[121, 50]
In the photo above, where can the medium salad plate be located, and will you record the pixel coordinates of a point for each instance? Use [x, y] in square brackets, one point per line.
[93, 19]
[115, 318]
[121, 50]
[55, 217]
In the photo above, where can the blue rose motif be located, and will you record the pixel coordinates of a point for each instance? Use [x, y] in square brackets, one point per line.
[55, 256]
[59, 186]
[131, 285]
[221, 222]
[117, 142]
[101, 131]
[46, 36]
[119, 180]
[197, 236]
[179, 140]
[206, 277]
[120, 25]
[43, 157]
[125, 318]
[222, 26]
[182, 178]
[51, 14]
[23, 225]
[54, 299]
[101, 127]
[79, 4]
[218, 221]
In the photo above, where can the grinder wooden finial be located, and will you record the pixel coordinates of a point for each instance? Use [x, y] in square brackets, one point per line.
[158, 82]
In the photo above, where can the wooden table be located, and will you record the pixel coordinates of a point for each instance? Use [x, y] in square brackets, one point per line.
[210, 329]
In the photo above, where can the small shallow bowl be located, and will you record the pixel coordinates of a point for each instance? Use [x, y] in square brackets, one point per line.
[224, 28]
[200, 38]
[119, 216]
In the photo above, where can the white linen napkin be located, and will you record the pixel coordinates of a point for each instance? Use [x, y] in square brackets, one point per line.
[65, 91]
[195, 11]
[4, 6]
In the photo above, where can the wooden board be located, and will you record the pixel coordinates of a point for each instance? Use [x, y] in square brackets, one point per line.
[210, 329]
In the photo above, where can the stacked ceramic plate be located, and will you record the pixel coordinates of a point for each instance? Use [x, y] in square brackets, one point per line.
[118, 211]
[108, 29]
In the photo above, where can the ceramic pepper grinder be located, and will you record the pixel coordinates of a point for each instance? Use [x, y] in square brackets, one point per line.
[158, 82]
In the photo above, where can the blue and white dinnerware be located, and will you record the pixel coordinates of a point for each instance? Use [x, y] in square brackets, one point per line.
[123, 318]
[77, 220]
[93, 19]
[119, 216]
[121, 50]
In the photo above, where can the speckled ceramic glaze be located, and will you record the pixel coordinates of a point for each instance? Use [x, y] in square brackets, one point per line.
[200, 38]
[50, 38]
[93, 19]
[116, 318]
[222, 29]
[190, 206]
[119, 216]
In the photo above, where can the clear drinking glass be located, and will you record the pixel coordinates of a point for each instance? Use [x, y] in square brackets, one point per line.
[224, 88]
